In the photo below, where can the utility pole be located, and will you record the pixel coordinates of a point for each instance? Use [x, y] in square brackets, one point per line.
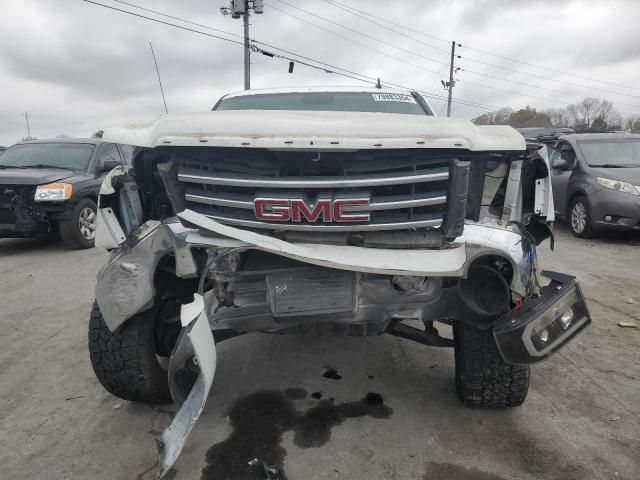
[451, 82]
[241, 9]
[247, 49]
[26, 116]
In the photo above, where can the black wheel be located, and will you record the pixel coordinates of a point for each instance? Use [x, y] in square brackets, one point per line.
[79, 231]
[128, 362]
[483, 378]
[580, 218]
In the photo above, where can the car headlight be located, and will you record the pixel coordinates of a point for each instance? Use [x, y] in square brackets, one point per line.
[618, 185]
[53, 192]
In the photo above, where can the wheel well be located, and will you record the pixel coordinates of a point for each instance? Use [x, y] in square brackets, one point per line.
[497, 262]
[168, 284]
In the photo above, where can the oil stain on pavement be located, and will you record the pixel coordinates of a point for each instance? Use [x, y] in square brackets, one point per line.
[259, 420]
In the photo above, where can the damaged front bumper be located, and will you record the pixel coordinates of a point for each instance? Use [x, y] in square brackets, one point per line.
[126, 287]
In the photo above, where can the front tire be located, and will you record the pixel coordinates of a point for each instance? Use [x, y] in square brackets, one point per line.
[580, 218]
[125, 361]
[483, 378]
[79, 232]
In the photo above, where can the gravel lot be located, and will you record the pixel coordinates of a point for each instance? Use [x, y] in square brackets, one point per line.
[581, 420]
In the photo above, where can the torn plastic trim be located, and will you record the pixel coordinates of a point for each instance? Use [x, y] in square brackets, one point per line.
[195, 347]
[544, 190]
[109, 232]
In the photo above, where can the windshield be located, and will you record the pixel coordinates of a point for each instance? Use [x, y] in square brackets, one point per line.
[614, 152]
[327, 101]
[74, 156]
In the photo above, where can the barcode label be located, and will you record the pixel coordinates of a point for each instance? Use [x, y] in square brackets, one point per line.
[393, 97]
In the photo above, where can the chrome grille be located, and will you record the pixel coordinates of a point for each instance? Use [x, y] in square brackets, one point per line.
[406, 190]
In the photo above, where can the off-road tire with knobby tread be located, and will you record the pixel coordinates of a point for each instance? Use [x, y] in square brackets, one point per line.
[125, 361]
[483, 378]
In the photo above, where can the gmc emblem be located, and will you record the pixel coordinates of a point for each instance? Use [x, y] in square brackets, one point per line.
[295, 210]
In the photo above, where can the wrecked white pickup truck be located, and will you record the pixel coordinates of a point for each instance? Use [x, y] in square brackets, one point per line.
[326, 212]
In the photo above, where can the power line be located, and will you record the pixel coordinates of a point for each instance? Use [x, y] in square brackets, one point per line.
[360, 44]
[595, 89]
[551, 69]
[492, 87]
[175, 18]
[361, 77]
[163, 22]
[538, 87]
[359, 32]
[351, 10]
[296, 57]
[409, 51]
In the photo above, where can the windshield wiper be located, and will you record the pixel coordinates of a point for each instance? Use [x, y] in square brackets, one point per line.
[612, 165]
[39, 165]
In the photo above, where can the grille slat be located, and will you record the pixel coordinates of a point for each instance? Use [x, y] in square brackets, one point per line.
[406, 190]
[191, 176]
[330, 227]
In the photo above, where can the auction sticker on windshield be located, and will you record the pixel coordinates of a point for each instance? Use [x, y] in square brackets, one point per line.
[393, 97]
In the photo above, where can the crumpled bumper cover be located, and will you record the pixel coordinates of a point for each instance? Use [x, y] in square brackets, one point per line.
[544, 324]
[194, 352]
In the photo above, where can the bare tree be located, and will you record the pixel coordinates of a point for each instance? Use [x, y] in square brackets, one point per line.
[587, 115]
[632, 123]
[559, 117]
[593, 113]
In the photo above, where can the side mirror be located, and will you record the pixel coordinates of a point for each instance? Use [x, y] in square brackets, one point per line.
[561, 164]
[109, 165]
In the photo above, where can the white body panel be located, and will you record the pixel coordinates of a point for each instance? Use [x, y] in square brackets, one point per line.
[307, 130]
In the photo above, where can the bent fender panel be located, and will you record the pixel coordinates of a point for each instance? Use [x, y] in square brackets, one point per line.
[125, 285]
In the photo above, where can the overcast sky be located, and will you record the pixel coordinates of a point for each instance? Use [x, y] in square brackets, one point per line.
[77, 67]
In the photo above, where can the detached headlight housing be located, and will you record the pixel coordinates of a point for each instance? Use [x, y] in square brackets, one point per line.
[618, 185]
[53, 192]
[544, 324]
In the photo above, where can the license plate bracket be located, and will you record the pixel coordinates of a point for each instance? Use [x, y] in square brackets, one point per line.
[311, 292]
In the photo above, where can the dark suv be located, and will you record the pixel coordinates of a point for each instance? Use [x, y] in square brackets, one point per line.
[53, 185]
[596, 181]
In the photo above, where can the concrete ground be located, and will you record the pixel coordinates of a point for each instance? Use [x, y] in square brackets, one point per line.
[581, 420]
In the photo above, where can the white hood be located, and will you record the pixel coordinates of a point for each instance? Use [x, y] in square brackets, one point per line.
[314, 130]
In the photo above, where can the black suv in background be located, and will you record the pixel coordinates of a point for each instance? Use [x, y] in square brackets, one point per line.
[596, 180]
[53, 185]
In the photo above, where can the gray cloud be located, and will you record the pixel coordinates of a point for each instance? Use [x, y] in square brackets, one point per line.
[77, 68]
